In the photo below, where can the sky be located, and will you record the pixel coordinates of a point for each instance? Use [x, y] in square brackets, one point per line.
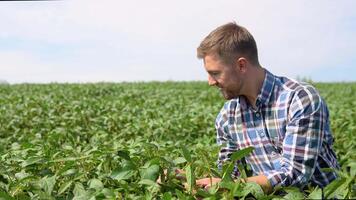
[114, 40]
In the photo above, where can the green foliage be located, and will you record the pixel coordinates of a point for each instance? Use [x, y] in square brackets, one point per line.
[113, 141]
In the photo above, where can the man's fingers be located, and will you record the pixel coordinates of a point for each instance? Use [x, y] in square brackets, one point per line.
[202, 182]
[207, 187]
[178, 173]
[207, 182]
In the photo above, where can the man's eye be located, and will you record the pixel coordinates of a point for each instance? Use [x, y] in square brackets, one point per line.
[216, 75]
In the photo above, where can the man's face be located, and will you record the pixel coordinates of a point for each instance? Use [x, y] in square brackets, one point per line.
[226, 77]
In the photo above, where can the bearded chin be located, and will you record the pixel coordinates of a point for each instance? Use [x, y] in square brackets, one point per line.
[227, 95]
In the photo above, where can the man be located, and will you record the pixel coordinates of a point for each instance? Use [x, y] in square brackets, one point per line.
[285, 121]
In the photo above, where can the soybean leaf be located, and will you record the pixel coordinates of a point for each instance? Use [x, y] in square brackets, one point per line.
[242, 170]
[241, 153]
[95, 184]
[227, 170]
[352, 166]
[190, 177]
[316, 194]
[79, 192]
[31, 161]
[148, 182]
[333, 186]
[254, 189]
[124, 154]
[293, 193]
[5, 196]
[179, 160]
[343, 190]
[150, 173]
[186, 154]
[64, 187]
[180, 195]
[203, 193]
[215, 173]
[108, 193]
[167, 196]
[70, 172]
[47, 184]
[121, 174]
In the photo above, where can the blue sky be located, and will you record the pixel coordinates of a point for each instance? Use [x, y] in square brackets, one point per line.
[113, 40]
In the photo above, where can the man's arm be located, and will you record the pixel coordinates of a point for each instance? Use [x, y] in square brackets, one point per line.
[301, 146]
[223, 139]
[303, 139]
[262, 180]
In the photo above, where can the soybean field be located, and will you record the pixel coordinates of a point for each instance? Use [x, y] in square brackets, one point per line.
[115, 140]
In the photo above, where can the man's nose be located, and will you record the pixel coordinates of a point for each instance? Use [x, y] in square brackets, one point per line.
[211, 81]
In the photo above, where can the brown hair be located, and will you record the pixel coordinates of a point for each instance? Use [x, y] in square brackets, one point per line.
[227, 42]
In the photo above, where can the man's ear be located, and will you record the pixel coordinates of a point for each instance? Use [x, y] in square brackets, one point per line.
[241, 64]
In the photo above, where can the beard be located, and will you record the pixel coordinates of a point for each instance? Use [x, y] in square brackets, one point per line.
[227, 94]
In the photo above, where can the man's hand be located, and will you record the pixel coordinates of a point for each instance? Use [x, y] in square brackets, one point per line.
[179, 174]
[262, 180]
[206, 183]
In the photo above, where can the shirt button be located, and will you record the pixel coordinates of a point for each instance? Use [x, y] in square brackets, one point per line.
[258, 114]
[261, 133]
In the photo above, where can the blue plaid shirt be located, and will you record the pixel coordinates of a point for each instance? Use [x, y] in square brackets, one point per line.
[289, 130]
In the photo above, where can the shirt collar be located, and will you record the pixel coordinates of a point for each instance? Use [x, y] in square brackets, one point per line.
[266, 90]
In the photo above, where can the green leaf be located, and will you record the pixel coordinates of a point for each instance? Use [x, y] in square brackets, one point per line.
[227, 185]
[227, 170]
[70, 159]
[148, 182]
[128, 165]
[293, 193]
[150, 173]
[241, 170]
[70, 172]
[64, 187]
[21, 175]
[124, 154]
[31, 161]
[215, 173]
[47, 184]
[121, 174]
[189, 170]
[108, 193]
[316, 194]
[352, 166]
[186, 154]
[332, 187]
[95, 184]
[343, 190]
[241, 153]
[180, 195]
[254, 189]
[167, 196]
[5, 196]
[79, 192]
[179, 160]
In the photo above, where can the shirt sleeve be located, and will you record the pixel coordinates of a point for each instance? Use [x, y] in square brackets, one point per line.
[303, 140]
[223, 139]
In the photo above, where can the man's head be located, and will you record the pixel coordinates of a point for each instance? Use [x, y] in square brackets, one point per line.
[228, 52]
[228, 42]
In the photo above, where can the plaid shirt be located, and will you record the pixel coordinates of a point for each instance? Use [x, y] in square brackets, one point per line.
[289, 130]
